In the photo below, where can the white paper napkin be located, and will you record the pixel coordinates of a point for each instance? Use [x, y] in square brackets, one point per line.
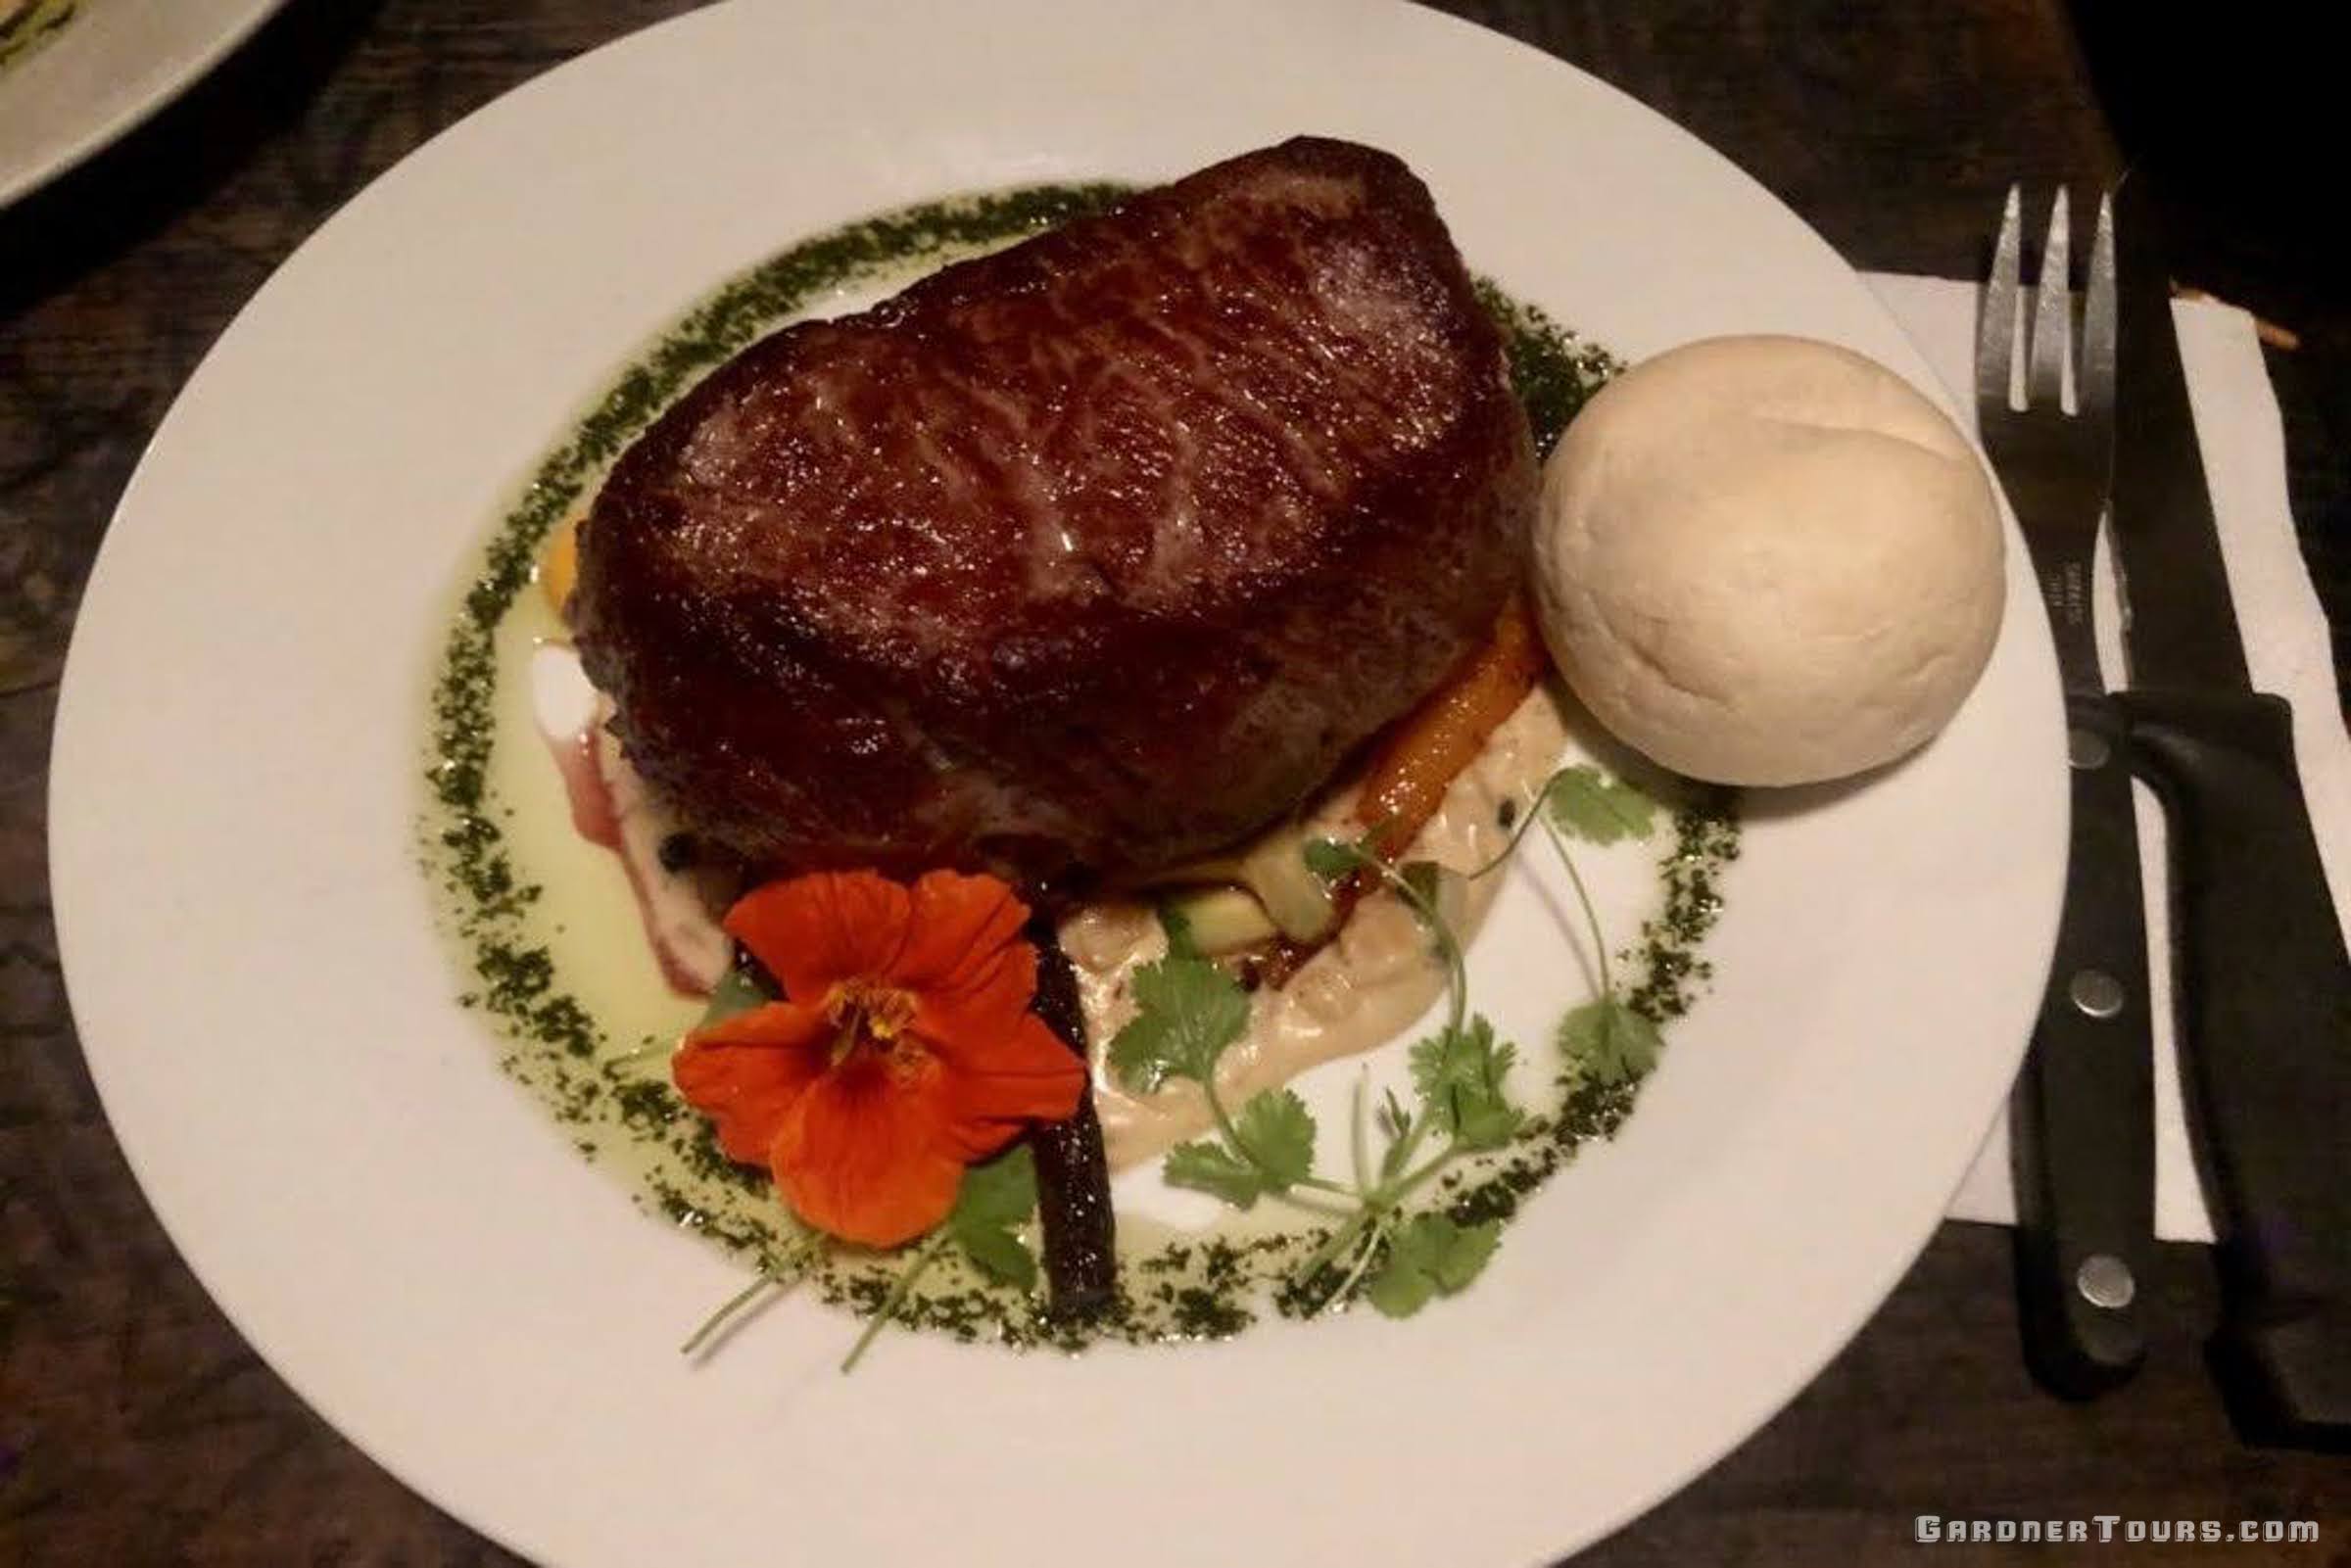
[2286, 647]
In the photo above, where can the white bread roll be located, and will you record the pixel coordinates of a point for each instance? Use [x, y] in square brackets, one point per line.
[1766, 560]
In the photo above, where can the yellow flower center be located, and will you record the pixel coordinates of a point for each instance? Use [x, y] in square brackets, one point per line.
[860, 1009]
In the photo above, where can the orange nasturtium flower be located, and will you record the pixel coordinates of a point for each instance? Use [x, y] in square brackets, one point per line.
[904, 1049]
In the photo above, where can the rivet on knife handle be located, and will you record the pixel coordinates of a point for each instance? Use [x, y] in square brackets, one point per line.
[2264, 990]
[2083, 1117]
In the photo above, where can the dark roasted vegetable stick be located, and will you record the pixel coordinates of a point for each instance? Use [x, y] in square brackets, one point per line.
[1072, 1178]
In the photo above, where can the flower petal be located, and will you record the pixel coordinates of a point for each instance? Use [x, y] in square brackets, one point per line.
[966, 960]
[745, 1072]
[866, 1154]
[1027, 1074]
[814, 931]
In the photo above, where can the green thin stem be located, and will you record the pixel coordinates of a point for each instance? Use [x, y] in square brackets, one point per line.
[734, 1303]
[781, 1276]
[1315, 1204]
[1331, 1251]
[630, 1059]
[1457, 968]
[1527, 818]
[1359, 1138]
[1363, 1261]
[1583, 896]
[899, 1290]
[1457, 985]
[1405, 1186]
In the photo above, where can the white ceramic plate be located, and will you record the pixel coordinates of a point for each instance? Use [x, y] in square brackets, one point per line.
[115, 63]
[406, 1239]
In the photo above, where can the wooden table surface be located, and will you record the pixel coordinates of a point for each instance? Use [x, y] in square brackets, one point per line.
[136, 1428]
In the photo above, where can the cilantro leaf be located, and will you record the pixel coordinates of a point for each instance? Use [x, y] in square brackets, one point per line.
[1462, 1077]
[1430, 1256]
[1279, 1131]
[1401, 1288]
[995, 1198]
[1488, 1126]
[1331, 858]
[1188, 1012]
[998, 1194]
[1179, 926]
[1002, 1256]
[1422, 877]
[1609, 1040]
[1453, 1254]
[1588, 804]
[1211, 1167]
[1276, 1135]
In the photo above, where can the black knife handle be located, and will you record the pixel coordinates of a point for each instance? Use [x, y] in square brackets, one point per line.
[2263, 989]
[2081, 1123]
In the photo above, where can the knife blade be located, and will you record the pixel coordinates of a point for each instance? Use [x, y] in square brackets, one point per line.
[2262, 983]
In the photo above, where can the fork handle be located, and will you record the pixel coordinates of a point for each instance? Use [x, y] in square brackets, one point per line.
[2082, 1120]
[2263, 987]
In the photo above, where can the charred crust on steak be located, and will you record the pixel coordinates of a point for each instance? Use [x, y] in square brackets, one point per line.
[1079, 559]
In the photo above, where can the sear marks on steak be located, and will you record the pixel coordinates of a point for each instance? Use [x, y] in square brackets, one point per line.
[1079, 559]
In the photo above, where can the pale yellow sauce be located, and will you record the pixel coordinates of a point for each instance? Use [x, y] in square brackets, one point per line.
[588, 919]
[1356, 994]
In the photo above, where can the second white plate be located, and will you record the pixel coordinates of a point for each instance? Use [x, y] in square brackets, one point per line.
[115, 62]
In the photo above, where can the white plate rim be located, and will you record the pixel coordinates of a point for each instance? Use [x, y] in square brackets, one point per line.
[148, 86]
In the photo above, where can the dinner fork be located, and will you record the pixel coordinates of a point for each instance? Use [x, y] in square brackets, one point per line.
[2081, 1120]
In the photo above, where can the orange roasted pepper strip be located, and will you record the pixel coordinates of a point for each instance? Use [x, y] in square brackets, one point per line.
[1418, 759]
[1430, 747]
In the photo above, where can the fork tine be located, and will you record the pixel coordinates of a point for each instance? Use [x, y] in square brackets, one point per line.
[2094, 389]
[1996, 320]
[2052, 306]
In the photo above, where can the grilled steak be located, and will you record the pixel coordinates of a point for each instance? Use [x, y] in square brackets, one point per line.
[1079, 559]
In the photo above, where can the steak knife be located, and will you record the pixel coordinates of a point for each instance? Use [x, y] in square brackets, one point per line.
[2261, 980]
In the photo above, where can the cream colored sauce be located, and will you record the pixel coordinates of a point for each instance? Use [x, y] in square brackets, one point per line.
[1356, 994]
